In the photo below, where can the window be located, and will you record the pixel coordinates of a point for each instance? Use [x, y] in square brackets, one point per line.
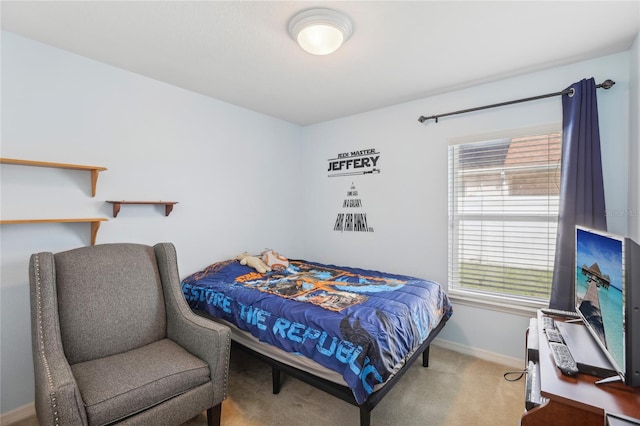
[503, 215]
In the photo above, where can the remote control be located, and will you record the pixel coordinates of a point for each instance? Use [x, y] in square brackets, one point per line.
[563, 359]
[554, 335]
[548, 322]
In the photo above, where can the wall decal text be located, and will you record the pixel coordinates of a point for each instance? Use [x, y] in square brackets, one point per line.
[350, 220]
[352, 163]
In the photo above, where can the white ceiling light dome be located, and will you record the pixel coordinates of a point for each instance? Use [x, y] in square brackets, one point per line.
[320, 31]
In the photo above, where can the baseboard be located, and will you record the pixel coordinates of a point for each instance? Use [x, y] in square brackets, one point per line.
[20, 413]
[509, 361]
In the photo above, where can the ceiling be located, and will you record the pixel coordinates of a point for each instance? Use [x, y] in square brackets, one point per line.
[240, 51]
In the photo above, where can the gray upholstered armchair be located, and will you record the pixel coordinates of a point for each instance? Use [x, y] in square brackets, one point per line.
[115, 342]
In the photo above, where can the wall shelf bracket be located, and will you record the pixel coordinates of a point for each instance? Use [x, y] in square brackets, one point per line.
[168, 205]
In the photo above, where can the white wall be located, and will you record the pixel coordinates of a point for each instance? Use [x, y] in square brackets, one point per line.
[634, 141]
[219, 162]
[406, 203]
[223, 164]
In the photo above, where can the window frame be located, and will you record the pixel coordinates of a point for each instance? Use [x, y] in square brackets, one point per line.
[500, 302]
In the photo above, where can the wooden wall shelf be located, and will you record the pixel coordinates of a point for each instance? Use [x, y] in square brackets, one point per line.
[168, 205]
[93, 169]
[95, 223]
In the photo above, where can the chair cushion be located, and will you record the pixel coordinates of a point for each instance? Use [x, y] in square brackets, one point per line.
[110, 300]
[124, 384]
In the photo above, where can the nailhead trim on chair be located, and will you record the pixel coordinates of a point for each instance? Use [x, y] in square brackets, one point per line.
[226, 372]
[52, 394]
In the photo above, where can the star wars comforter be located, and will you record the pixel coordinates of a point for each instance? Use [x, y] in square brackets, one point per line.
[361, 323]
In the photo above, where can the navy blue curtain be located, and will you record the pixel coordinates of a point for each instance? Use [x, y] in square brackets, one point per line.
[581, 187]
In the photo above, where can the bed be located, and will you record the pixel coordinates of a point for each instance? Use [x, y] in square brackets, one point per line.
[347, 331]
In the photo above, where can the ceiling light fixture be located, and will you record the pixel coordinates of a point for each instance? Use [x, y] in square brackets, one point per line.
[320, 31]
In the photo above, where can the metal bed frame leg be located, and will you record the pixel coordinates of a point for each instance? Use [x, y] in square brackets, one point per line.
[275, 379]
[425, 357]
[365, 417]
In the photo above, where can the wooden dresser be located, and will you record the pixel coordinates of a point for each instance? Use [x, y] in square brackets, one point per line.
[576, 400]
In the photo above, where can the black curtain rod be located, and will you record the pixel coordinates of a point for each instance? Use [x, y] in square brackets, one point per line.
[607, 84]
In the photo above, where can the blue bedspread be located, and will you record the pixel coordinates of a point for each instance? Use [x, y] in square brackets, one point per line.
[360, 323]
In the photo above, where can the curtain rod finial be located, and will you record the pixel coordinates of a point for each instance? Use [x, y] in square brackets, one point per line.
[607, 84]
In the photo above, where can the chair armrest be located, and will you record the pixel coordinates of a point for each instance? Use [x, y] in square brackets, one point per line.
[205, 339]
[57, 396]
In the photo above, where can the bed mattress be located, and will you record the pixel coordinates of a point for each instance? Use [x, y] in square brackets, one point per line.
[358, 325]
[295, 360]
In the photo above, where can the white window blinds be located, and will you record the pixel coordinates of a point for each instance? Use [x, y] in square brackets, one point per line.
[503, 214]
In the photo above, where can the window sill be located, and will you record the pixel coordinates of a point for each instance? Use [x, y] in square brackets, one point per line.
[504, 304]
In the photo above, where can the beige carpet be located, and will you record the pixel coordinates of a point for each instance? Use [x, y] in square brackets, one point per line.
[454, 390]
